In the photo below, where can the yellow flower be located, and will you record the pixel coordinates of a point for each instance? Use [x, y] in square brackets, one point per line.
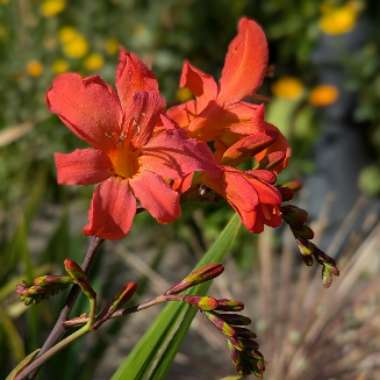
[3, 2]
[60, 66]
[76, 47]
[288, 87]
[323, 95]
[111, 46]
[94, 62]
[183, 94]
[50, 8]
[337, 20]
[34, 68]
[67, 33]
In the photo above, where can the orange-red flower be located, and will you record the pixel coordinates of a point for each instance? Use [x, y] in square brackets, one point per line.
[237, 128]
[136, 152]
[218, 112]
[251, 193]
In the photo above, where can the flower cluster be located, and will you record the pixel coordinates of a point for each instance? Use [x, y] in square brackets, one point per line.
[41, 288]
[145, 156]
[223, 314]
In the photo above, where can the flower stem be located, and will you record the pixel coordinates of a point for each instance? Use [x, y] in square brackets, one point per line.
[59, 327]
[53, 350]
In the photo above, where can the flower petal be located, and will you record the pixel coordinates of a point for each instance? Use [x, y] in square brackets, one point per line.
[245, 64]
[263, 175]
[247, 146]
[216, 121]
[182, 114]
[256, 202]
[248, 118]
[238, 192]
[82, 167]
[202, 85]
[142, 116]
[112, 210]
[88, 106]
[277, 155]
[132, 76]
[156, 196]
[171, 154]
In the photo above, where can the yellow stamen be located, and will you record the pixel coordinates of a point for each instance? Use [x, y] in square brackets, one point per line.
[124, 160]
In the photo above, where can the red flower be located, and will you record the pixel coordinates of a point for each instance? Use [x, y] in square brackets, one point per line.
[251, 193]
[218, 113]
[136, 152]
[237, 128]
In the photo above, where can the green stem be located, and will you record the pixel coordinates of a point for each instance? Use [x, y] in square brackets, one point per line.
[56, 348]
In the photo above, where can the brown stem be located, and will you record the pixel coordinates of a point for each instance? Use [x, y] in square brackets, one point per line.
[77, 321]
[87, 326]
[59, 327]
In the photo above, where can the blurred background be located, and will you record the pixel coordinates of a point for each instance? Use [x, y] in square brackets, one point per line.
[324, 90]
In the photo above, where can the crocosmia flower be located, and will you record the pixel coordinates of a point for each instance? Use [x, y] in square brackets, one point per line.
[219, 114]
[236, 129]
[136, 154]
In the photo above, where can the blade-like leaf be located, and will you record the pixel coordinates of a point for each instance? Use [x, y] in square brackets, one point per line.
[153, 354]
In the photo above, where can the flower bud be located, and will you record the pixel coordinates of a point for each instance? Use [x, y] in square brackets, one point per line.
[306, 250]
[328, 273]
[125, 294]
[50, 279]
[220, 324]
[205, 273]
[229, 305]
[294, 216]
[79, 277]
[235, 319]
[245, 333]
[249, 344]
[303, 232]
[203, 303]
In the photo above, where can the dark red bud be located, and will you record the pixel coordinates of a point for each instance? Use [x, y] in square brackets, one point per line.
[205, 273]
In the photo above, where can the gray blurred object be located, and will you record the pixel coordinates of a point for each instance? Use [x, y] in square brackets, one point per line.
[341, 152]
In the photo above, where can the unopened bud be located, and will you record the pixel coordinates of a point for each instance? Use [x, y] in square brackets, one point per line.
[79, 277]
[294, 216]
[205, 303]
[227, 330]
[205, 273]
[303, 232]
[236, 319]
[122, 297]
[306, 251]
[249, 344]
[245, 333]
[328, 273]
[50, 279]
[229, 305]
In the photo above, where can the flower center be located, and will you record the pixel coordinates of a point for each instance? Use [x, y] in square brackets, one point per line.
[124, 160]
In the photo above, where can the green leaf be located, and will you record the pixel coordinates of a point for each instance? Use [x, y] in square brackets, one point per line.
[152, 356]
